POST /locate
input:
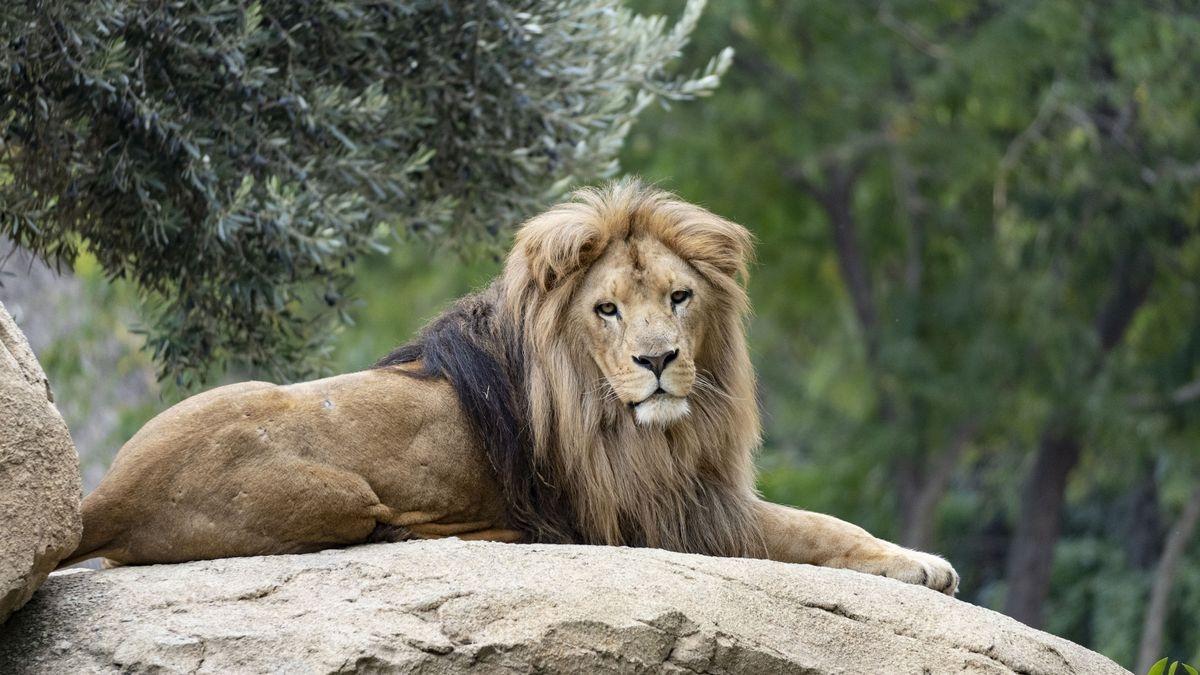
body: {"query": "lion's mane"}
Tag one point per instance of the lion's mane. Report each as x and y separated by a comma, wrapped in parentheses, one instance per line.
(574, 466)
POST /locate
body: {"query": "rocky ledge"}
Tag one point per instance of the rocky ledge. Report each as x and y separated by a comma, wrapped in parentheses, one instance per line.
(452, 606)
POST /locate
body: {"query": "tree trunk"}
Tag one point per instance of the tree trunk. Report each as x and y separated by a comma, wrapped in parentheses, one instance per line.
(921, 479)
(924, 483)
(837, 199)
(919, 510)
(1181, 534)
(1031, 554)
(1141, 527)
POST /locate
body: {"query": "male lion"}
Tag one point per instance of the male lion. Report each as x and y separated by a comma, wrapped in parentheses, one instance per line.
(598, 392)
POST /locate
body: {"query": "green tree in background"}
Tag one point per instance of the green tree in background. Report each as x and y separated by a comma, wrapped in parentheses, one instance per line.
(1096, 220)
(978, 283)
(234, 159)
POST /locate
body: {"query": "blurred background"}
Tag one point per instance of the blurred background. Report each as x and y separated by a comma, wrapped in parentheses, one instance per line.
(977, 295)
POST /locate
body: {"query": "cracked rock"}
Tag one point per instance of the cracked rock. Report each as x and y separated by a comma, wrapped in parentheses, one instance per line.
(451, 606)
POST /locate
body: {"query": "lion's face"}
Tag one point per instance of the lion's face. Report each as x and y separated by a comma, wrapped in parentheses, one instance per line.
(640, 307)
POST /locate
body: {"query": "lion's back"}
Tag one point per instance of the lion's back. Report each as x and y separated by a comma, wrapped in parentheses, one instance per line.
(320, 419)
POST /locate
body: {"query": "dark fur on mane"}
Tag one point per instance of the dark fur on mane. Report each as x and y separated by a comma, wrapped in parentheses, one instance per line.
(467, 346)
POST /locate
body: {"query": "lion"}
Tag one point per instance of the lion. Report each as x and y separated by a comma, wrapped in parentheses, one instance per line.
(598, 391)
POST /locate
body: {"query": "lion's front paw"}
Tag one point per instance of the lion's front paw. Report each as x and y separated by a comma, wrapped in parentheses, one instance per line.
(919, 568)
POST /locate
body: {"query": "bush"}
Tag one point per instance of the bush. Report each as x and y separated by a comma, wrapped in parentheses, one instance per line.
(234, 159)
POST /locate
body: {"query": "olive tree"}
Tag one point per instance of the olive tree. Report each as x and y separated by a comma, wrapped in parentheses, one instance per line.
(232, 159)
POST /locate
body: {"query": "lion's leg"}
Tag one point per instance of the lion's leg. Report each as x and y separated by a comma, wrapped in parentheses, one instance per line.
(426, 519)
(287, 505)
(797, 536)
(320, 506)
(493, 534)
(422, 525)
(450, 529)
(476, 531)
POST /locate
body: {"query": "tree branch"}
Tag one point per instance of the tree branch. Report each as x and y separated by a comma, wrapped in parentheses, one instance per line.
(1186, 394)
(1016, 149)
(912, 209)
(1150, 648)
(1181, 395)
(1134, 274)
(910, 33)
(919, 516)
(836, 199)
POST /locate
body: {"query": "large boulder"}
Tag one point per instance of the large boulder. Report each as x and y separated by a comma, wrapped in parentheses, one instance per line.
(39, 474)
(451, 606)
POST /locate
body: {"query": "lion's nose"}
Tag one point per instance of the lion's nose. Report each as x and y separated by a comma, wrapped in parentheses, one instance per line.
(657, 362)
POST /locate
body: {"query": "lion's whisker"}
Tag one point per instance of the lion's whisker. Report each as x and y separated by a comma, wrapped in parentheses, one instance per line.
(704, 384)
(603, 388)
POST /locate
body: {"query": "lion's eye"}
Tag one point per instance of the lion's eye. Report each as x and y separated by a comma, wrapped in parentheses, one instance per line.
(678, 297)
(606, 309)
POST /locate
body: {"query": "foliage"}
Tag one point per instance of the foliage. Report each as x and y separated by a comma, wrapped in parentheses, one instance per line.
(1009, 160)
(235, 159)
(1160, 668)
(947, 198)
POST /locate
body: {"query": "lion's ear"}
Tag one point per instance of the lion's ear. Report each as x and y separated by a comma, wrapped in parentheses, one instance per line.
(557, 243)
(702, 236)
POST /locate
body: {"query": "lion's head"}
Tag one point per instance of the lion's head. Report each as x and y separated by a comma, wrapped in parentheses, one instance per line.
(607, 375)
(637, 281)
(639, 386)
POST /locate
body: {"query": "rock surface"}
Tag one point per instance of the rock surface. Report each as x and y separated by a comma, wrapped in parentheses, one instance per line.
(451, 606)
(39, 474)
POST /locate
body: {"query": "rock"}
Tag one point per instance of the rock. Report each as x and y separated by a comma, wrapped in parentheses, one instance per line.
(55, 309)
(39, 474)
(452, 606)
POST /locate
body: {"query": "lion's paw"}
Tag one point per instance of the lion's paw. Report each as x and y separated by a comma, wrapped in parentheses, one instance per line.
(915, 567)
